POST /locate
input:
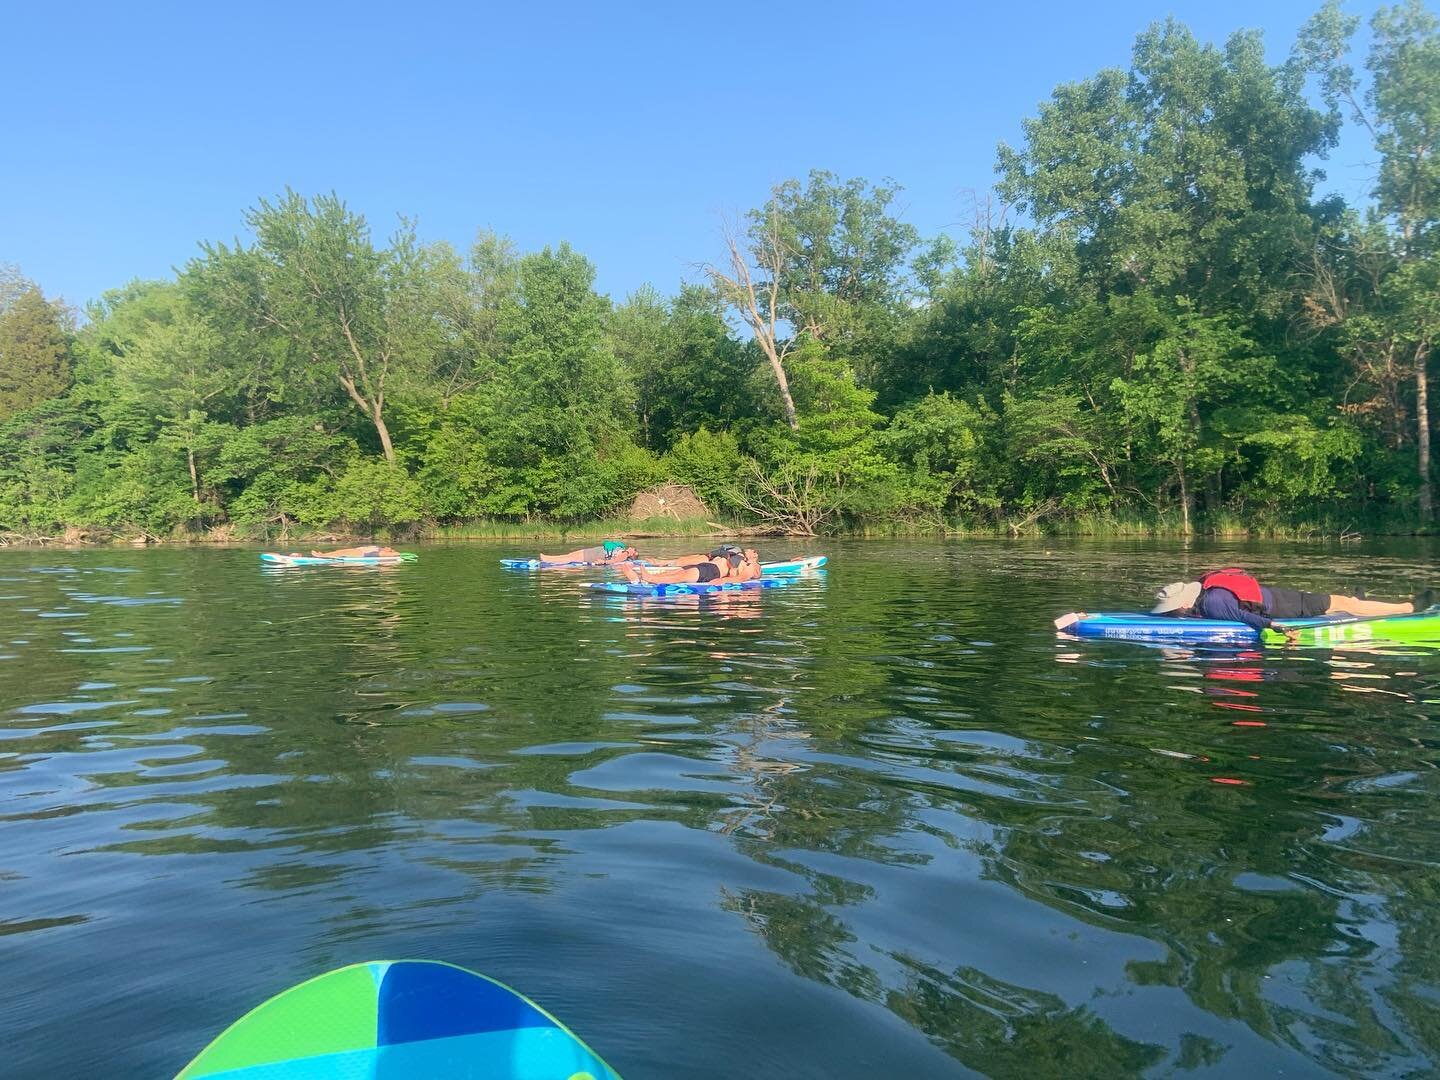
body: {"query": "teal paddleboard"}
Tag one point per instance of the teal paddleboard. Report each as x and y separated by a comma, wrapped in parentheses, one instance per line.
(540, 564)
(795, 566)
(402, 1018)
(271, 558)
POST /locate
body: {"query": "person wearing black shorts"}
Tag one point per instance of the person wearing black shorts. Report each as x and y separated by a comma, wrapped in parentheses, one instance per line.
(741, 566)
(1295, 604)
(1234, 596)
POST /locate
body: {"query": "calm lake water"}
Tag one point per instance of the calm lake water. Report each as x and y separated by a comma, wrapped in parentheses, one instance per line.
(879, 823)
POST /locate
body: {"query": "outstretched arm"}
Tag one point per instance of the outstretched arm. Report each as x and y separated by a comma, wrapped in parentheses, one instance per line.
(1223, 604)
(683, 560)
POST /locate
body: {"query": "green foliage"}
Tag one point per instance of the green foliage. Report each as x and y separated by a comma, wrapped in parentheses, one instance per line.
(1199, 360)
(280, 472)
(965, 339)
(34, 352)
(833, 464)
(1379, 295)
(1294, 461)
(1176, 332)
(368, 496)
(710, 462)
(144, 490)
(315, 286)
(941, 441)
(1185, 174)
(1060, 445)
(550, 434)
(40, 450)
(560, 383)
(1405, 94)
(687, 369)
(846, 253)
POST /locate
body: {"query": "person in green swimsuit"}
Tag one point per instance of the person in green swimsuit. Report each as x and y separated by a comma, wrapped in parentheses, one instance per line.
(611, 551)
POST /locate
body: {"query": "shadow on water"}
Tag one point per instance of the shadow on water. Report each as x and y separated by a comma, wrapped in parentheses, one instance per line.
(880, 822)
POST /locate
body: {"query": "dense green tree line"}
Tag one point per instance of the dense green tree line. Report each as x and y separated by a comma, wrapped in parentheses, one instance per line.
(1155, 317)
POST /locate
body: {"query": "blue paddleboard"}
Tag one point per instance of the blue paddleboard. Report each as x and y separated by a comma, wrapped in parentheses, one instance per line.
(642, 589)
(1418, 627)
(792, 566)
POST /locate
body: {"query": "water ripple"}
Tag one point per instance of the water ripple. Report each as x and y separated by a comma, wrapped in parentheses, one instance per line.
(885, 803)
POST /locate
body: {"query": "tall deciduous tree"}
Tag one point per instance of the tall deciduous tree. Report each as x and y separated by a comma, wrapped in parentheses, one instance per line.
(314, 278)
(176, 372)
(1198, 360)
(1185, 175)
(750, 283)
(555, 422)
(469, 300)
(846, 253)
(639, 332)
(13, 285)
(1401, 111)
(821, 262)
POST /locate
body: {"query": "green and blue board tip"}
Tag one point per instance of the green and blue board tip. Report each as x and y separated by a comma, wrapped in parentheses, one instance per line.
(398, 1019)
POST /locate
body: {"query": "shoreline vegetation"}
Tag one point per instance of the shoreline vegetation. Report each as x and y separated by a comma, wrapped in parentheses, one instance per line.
(1156, 324)
(1090, 527)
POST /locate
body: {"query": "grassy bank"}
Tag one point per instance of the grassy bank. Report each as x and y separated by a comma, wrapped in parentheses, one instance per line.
(603, 529)
(1321, 526)
(1329, 526)
(558, 532)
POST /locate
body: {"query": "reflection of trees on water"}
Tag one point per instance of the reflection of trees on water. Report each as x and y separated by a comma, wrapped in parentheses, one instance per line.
(1001, 1029)
(1227, 883)
(385, 760)
(854, 749)
(763, 798)
(846, 808)
(811, 939)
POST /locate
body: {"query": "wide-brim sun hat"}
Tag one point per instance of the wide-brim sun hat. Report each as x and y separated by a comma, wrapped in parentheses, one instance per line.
(1176, 595)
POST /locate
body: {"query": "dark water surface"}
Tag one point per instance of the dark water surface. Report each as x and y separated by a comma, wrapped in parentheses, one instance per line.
(879, 823)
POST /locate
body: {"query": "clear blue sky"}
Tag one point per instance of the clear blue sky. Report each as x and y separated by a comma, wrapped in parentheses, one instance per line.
(137, 130)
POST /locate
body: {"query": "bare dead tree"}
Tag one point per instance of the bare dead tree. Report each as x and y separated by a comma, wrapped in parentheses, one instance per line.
(986, 220)
(759, 303)
(1022, 525)
(792, 498)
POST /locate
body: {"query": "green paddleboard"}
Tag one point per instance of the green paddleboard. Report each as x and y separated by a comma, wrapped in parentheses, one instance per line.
(1417, 628)
(398, 1019)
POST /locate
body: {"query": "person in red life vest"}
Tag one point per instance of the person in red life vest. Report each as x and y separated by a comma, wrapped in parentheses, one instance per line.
(1235, 596)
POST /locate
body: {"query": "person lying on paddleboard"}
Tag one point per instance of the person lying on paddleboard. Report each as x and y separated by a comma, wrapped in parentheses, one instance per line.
(611, 551)
(369, 551)
(1234, 596)
(739, 566)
